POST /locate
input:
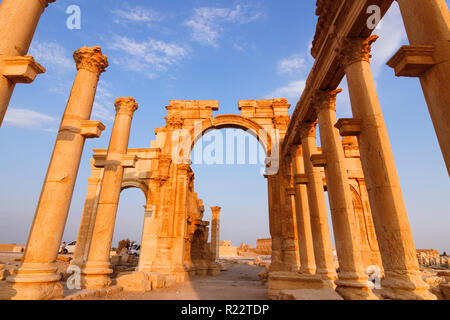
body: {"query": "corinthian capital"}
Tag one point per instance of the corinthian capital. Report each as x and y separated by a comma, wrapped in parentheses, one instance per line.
(308, 129)
(126, 106)
(91, 59)
(356, 49)
(325, 99)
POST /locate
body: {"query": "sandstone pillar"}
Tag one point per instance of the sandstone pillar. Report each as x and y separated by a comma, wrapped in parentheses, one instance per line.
(37, 278)
(352, 281)
(88, 217)
(323, 251)
(149, 240)
(215, 233)
(402, 278)
(274, 222)
(307, 264)
(427, 24)
(18, 22)
(96, 272)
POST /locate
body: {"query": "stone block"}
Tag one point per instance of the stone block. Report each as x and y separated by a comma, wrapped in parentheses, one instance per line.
(310, 294)
(157, 279)
(135, 282)
(170, 281)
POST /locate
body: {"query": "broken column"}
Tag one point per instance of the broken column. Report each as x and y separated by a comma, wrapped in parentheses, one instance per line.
(18, 22)
(97, 269)
(37, 277)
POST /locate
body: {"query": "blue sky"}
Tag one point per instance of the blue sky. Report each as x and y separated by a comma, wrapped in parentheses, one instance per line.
(222, 50)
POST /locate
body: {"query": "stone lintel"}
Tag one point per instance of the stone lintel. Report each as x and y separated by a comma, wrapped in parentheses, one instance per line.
(348, 127)
(91, 128)
(20, 69)
(301, 179)
(319, 160)
(129, 161)
(412, 60)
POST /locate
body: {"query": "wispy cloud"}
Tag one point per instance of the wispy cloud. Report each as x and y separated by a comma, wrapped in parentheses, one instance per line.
(103, 109)
(30, 119)
(52, 56)
(137, 14)
(207, 23)
(148, 57)
(293, 90)
(292, 65)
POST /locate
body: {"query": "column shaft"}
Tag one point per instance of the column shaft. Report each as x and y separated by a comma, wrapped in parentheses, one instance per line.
(307, 264)
(323, 251)
(352, 281)
(18, 22)
(429, 24)
(97, 268)
(39, 265)
(88, 217)
(383, 186)
(215, 233)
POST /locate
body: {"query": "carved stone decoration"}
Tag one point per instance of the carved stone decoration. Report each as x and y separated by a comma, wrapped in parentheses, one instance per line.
(356, 49)
(91, 59)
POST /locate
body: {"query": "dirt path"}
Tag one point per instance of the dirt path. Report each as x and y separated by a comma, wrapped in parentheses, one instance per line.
(239, 282)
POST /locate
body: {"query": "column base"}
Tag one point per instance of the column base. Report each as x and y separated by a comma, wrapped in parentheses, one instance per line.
(33, 281)
(213, 269)
(327, 277)
(352, 287)
(405, 287)
(282, 285)
(96, 276)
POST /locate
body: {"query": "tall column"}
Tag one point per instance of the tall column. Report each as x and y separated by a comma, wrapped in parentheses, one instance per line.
(215, 232)
(427, 24)
(96, 272)
(402, 278)
(274, 222)
(323, 251)
(88, 217)
(37, 278)
(307, 264)
(352, 281)
(18, 22)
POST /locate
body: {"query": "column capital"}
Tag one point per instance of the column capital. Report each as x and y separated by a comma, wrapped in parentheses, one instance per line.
(126, 105)
(308, 129)
(91, 59)
(356, 49)
(325, 100)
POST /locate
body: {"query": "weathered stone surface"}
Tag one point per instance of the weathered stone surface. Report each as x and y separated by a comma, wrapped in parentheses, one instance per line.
(135, 282)
(310, 294)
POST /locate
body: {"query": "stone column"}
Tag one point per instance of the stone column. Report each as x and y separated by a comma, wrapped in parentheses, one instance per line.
(402, 278)
(149, 241)
(96, 272)
(352, 281)
(18, 22)
(88, 217)
(428, 28)
(37, 278)
(274, 222)
(307, 264)
(323, 251)
(215, 232)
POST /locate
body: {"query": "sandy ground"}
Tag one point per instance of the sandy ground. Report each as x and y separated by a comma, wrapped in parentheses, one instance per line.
(239, 282)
